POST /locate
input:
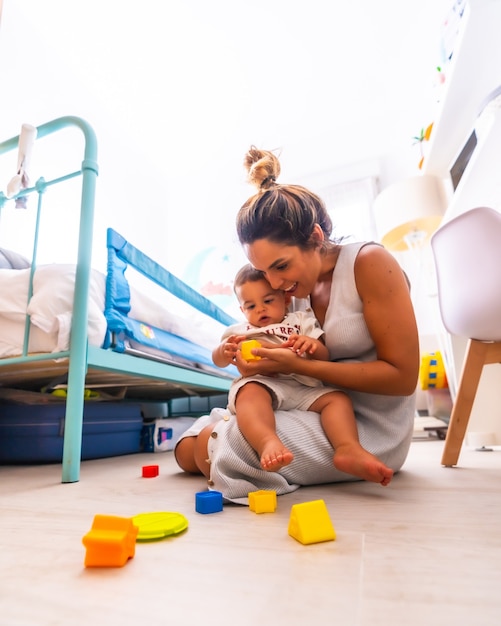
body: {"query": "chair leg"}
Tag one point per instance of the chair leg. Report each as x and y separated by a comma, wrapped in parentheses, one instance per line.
(470, 376)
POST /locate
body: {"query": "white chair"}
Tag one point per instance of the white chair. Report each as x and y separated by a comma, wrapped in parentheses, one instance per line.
(467, 252)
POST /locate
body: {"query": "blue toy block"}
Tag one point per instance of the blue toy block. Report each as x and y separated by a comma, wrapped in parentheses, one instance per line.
(208, 502)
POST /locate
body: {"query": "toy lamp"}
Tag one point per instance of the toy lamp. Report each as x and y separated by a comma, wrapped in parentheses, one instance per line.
(407, 213)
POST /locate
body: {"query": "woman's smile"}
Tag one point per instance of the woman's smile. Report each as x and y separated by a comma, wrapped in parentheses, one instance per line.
(292, 289)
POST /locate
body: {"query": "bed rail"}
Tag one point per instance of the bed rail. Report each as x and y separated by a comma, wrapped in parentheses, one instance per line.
(122, 328)
(72, 446)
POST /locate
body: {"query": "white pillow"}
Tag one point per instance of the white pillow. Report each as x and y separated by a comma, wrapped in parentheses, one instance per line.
(12, 260)
(51, 305)
(14, 293)
(12, 338)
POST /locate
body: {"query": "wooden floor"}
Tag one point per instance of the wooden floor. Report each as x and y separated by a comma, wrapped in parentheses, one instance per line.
(424, 551)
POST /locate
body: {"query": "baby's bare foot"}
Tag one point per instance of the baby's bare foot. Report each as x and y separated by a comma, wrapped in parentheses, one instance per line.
(275, 455)
(358, 462)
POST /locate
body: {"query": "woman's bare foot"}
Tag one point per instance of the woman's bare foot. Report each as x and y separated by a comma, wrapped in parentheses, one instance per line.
(353, 459)
(274, 455)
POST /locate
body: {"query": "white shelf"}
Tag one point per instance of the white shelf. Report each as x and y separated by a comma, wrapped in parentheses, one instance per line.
(472, 75)
(474, 72)
(480, 184)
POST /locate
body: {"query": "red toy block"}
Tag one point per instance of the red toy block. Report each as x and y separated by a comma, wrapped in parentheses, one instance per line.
(111, 542)
(150, 471)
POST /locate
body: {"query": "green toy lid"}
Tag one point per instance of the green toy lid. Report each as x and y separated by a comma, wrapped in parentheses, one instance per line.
(154, 526)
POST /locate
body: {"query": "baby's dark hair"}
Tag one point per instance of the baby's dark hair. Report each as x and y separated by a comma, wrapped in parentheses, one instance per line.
(247, 274)
(284, 214)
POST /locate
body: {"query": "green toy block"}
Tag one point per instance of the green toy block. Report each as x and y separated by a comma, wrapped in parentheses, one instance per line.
(263, 501)
(310, 523)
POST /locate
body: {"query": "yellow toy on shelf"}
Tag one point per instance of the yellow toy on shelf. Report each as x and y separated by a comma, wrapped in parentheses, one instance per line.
(432, 371)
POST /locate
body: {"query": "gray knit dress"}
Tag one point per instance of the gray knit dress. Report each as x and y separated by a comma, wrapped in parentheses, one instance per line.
(385, 423)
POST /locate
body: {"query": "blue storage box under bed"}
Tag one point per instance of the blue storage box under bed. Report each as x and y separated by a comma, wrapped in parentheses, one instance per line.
(34, 433)
(197, 405)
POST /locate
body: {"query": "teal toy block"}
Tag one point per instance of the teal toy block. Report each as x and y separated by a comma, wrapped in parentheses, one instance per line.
(310, 523)
(208, 502)
(263, 501)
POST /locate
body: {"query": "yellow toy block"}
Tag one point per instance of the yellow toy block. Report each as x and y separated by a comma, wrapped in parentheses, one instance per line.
(263, 501)
(432, 371)
(310, 523)
(111, 542)
(247, 346)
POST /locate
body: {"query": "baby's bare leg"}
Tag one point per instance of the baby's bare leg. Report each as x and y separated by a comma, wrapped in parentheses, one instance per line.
(185, 455)
(256, 421)
(340, 426)
(192, 453)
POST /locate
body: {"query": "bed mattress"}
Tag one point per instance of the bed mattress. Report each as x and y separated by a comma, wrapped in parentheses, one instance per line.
(50, 311)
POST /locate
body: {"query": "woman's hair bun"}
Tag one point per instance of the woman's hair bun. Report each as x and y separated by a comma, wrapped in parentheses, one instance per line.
(263, 168)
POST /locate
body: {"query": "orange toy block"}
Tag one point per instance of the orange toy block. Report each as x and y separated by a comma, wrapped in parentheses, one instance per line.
(247, 346)
(263, 501)
(310, 523)
(111, 542)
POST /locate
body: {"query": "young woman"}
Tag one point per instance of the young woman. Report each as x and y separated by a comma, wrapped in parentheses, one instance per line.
(361, 298)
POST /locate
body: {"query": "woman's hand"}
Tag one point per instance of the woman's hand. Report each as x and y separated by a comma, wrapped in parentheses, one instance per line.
(272, 361)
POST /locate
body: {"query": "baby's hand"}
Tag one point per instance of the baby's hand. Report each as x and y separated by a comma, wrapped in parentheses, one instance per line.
(301, 344)
(230, 346)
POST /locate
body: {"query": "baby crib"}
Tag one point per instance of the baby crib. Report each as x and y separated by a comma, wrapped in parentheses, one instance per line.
(151, 362)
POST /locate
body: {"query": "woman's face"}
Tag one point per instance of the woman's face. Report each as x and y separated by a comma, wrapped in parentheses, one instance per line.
(288, 268)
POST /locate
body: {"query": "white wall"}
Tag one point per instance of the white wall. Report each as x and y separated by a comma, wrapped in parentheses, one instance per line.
(177, 91)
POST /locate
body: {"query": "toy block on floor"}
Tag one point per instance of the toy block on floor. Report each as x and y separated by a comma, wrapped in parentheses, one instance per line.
(111, 542)
(208, 502)
(263, 501)
(247, 346)
(150, 471)
(310, 523)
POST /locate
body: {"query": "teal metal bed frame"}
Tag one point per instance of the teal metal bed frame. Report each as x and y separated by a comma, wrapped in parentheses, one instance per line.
(80, 359)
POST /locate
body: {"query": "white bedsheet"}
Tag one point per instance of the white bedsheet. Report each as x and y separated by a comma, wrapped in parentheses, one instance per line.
(50, 309)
